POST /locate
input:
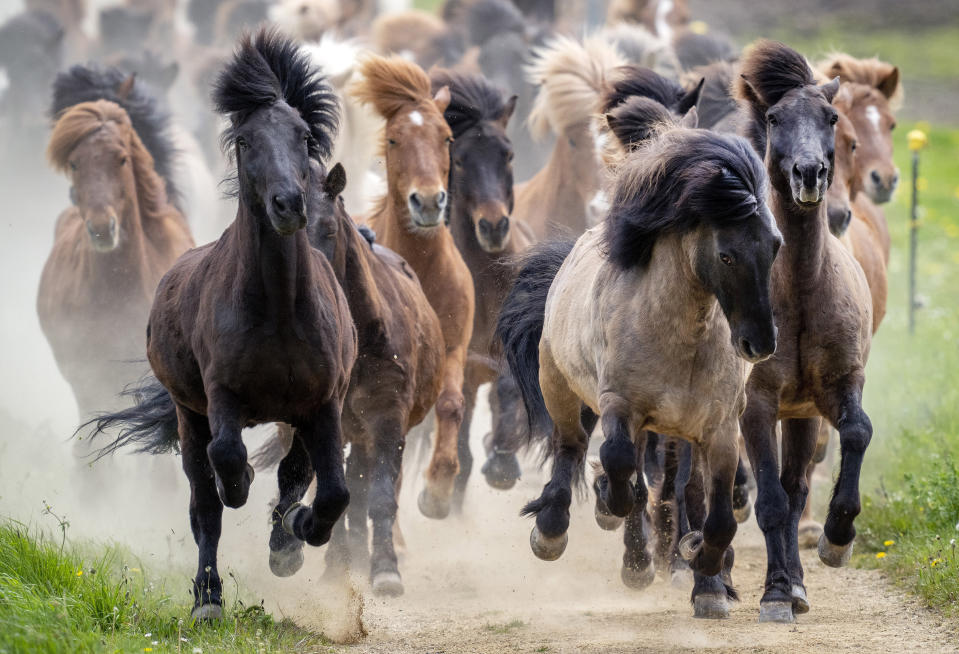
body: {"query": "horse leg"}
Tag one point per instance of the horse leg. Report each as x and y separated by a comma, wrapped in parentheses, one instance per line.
(798, 445)
(434, 500)
(293, 475)
(619, 458)
(348, 542)
(742, 508)
(810, 530)
(638, 570)
(664, 509)
(652, 464)
(323, 440)
(501, 468)
(463, 453)
(233, 474)
(855, 432)
(206, 513)
(688, 490)
(548, 538)
(388, 453)
(772, 504)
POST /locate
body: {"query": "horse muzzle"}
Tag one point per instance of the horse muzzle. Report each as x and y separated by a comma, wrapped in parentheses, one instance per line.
(104, 234)
(493, 237)
(287, 212)
(427, 210)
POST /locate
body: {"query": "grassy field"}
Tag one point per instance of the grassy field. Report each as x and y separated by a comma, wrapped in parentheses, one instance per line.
(56, 597)
(910, 519)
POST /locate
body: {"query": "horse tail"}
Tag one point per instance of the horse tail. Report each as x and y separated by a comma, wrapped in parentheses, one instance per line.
(520, 327)
(150, 425)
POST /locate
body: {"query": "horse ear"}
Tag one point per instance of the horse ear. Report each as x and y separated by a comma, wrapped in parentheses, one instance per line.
(442, 98)
(691, 99)
(508, 111)
(690, 120)
(749, 93)
(124, 88)
(611, 121)
(335, 181)
(830, 89)
(890, 83)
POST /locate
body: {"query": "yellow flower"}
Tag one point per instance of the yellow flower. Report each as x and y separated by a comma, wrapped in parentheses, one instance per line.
(889, 542)
(880, 555)
(936, 562)
(79, 573)
(147, 649)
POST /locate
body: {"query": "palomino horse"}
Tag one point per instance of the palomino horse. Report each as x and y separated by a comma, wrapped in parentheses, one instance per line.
(649, 322)
(410, 220)
(481, 185)
(395, 382)
(566, 195)
(111, 248)
(254, 327)
(824, 316)
(873, 120)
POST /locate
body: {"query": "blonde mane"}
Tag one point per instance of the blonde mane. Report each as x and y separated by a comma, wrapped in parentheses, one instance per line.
(391, 85)
(873, 72)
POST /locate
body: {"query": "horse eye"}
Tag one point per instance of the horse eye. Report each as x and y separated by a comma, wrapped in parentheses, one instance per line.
(449, 139)
(772, 120)
(833, 119)
(854, 146)
(509, 157)
(892, 127)
(73, 166)
(725, 258)
(572, 143)
(123, 160)
(391, 141)
(241, 143)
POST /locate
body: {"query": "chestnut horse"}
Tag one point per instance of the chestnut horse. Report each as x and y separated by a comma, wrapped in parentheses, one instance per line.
(411, 220)
(649, 321)
(481, 186)
(824, 315)
(254, 327)
(113, 245)
(566, 195)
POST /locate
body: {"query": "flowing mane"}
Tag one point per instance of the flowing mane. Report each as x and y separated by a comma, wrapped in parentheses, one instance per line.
(571, 76)
(636, 120)
(632, 80)
(677, 181)
(391, 85)
(473, 99)
(872, 72)
(267, 68)
(87, 118)
(149, 119)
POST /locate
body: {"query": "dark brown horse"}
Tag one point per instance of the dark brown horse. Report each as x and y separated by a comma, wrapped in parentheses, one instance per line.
(823, 312)
(481, 190)
(395, 382)
(111, 248)
(254, 327)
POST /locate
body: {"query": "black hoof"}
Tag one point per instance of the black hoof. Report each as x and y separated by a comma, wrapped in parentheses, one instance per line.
(207, 613)
(638, 579)
(387, 584)
(236, 495)
(712, 606)
(501, 470)
(287, 561)
(606, 521)
(431, 506)
(835, 556)
(547, 548)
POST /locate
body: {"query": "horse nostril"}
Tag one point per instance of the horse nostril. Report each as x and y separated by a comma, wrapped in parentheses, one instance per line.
(416, 201)
(279, 204)
(441, 199)
(747, 348)
(796, 171)
(822, 169)
(504, 224)
(875, 176)
(895, 178)
(485, 226)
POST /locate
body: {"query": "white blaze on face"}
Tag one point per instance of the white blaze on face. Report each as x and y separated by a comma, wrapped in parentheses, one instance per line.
(663, 30)
(416, 118)
(872, 114)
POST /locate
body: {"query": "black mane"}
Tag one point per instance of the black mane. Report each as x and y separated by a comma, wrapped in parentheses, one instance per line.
(635, 120)
(636, 80)
(474, 99)
(150, 120)
(681, 179)
(266, 68)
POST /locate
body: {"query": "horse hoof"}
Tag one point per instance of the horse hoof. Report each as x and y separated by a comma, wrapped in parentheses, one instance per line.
(236, 496)
(638, 579)
(690, 545)
(712, 606)
(835, 556)
(387, 584)
(287, 561)
(606, 521)
(681, 579)
(431, 506)
(207, 613)
(501, 470)
(800, 601)
(289, 518)
(545, 547)
(742, 507)
(776, 612)
(810, 532)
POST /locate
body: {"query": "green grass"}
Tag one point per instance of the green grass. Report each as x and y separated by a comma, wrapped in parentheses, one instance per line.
(58, 597)
(506, 627)
(911, 483)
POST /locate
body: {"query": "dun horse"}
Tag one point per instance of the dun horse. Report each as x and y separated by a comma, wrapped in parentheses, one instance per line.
(254, 327)
(823, 312)
(411, 220)
(116, 241)
(481, 185)
(649, 321)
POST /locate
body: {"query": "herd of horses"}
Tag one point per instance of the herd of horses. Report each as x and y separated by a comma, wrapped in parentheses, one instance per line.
(696, 261)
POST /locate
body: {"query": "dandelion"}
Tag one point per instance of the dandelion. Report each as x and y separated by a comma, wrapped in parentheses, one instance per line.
(79, 573)
(147, 649)
(880, 555)
(889, 543)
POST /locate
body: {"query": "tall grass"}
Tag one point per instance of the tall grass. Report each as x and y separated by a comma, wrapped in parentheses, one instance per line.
(56, 597)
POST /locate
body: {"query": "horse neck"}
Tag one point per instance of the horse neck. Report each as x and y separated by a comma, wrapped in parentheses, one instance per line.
(556, 182)
(356, 277)
(279, 266)
(804, 238)
(125, 269)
